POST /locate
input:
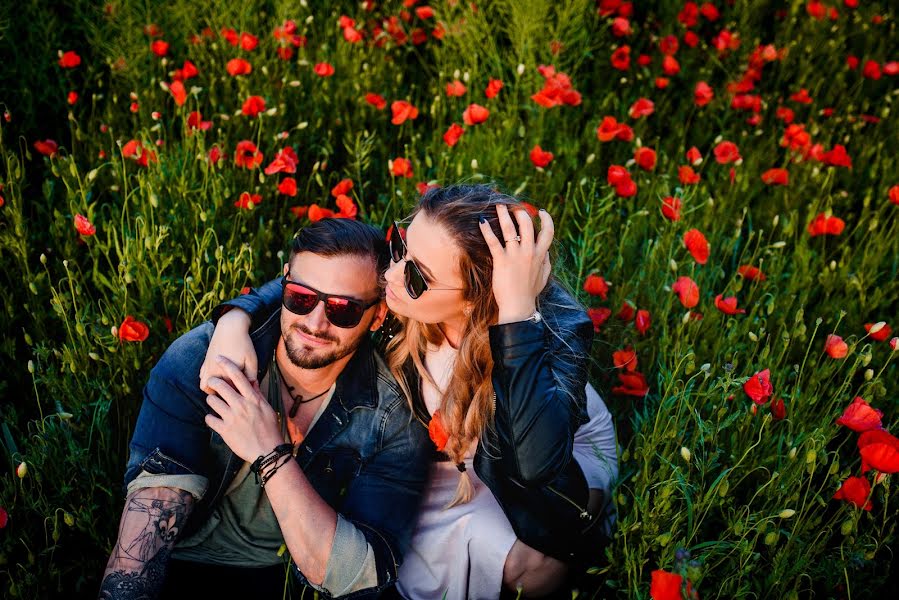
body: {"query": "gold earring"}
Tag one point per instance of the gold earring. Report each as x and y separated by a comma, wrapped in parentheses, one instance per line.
(467, 311)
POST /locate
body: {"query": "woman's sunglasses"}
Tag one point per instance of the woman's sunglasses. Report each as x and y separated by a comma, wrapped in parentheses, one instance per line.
(341, 311)
(415, 282)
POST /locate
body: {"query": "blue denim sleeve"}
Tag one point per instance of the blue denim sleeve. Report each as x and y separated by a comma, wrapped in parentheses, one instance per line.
(170, 435)
(383, 500)
(260, 303)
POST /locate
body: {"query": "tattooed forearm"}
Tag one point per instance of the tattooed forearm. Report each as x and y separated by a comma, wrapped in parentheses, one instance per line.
(151, 522)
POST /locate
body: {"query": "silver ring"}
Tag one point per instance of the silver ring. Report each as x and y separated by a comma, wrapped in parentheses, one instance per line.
(517, 238)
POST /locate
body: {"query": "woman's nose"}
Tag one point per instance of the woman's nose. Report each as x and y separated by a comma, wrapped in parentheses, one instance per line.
(393, 271)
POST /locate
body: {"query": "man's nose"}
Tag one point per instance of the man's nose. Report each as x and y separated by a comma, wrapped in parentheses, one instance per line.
(317, 320)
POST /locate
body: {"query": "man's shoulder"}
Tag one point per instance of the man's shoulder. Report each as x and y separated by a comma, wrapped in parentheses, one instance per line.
(183, 358)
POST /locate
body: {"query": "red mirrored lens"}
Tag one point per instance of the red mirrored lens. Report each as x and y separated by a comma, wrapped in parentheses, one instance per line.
(299, 299)
(343, 313)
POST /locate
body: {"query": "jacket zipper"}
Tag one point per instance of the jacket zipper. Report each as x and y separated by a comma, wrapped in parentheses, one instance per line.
(583, 512)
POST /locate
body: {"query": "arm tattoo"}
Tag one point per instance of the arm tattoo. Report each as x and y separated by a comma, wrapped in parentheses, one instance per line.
(152, 520)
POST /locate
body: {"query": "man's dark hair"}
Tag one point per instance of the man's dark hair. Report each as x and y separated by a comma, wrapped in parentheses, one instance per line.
(342, 237)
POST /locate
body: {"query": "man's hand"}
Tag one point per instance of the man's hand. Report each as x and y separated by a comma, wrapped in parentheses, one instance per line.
(245, 420)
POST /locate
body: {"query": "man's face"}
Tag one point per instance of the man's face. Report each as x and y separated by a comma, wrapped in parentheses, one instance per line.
(311, 340)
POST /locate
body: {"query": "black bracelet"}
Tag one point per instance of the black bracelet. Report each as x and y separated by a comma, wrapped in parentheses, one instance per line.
(274, 469)
(267, 460)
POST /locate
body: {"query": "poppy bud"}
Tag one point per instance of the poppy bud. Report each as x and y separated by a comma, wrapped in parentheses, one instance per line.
(786, 513)
(31, 366)
(685, 453)
(22, 470)
(753, 337)
(43, 258)
(876, 327)
(68, 518)
(792, 454)
(869, 374)
(673, 265)
(847, 527)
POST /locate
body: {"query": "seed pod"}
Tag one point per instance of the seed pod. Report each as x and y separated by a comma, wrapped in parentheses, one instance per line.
(847, 527)
(22, 470)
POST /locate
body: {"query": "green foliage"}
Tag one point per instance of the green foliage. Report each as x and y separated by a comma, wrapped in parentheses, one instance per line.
(703, 468)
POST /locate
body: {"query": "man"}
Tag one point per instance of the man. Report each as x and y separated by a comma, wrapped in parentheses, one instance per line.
(322, 455)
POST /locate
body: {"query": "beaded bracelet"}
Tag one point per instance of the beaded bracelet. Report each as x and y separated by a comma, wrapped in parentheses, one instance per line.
(267, 460)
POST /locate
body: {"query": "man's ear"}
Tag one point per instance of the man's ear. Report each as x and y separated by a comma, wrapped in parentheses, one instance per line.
(286, 268)
(380, 315)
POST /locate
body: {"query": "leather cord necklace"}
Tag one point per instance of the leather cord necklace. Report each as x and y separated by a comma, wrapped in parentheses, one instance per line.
(298, 399)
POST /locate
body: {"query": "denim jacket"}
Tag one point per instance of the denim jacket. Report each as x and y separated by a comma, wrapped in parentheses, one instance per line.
(366, 456)
(526, 459)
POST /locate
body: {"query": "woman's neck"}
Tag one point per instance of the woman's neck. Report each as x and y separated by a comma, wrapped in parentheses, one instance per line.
(452, 333)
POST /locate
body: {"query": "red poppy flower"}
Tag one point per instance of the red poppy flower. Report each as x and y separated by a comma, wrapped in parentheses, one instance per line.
(626, 359)
(493, 88)
(4, 517)
(596, 285)
(776, 177)
(662, 82)
(860, 417)
(855, 490)
(299, 211)
(159, 47)
(253, 106)
(323, 69)
(671, 208)
(455, 88)
(610, 129)
(84, 226)
(687, 175)
(728, 305)
(285, 161)
(643, 321)
(670, 66)
(288, 186)
(401, 168)
(599, 316)
(187, 71)
(784, 114)
(248, 201)
(758, 387)
(216, 154)
(436, 431)
(687, 291)
(836, 347)
(132, 330)
(881, 334)
(317, 213)
(893, 195)
(702, 94)
(72, 98)
(402, 110)
(801, 97)
(778, 409)
(643, 107)
(621, 27)
(452, 135)
(539, 157)
(69, 60)
(879, 450)
(424, 12)
(825, 225)
(632, 384)
(627, 310)
(621, 58)
(871, 70)
(135, 150)
(694, 156)
(726, 153)
(46, 147)
(347, 208)
(376, 100)
(475, 114)
(837, 157)
(246, 155)
(894, 344)
(248, 41)
(691, 39)
(178, 92)
(645, 158)
(668, 44)
(195, 121)
(697, 245)
(352, 35)
(665, 585)
(238, 66)
(751, 273)
(343, 187)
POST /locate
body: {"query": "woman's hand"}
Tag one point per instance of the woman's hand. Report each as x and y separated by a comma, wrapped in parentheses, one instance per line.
(245, 419)
(231, 339)
(520, 268)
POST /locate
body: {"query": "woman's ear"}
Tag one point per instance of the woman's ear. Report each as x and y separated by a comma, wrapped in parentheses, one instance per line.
(467, 309)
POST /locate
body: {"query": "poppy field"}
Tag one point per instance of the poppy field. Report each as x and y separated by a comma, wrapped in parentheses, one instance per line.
(724, 181)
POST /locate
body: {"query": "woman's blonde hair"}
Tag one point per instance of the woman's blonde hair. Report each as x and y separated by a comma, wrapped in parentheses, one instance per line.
(467, 407)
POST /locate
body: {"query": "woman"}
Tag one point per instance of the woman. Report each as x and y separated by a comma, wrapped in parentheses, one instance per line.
(492, 355)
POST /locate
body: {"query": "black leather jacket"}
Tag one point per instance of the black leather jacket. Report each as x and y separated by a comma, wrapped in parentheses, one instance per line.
(525, 458)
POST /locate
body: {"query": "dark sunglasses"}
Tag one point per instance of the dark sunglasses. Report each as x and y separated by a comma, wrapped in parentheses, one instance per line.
(342, 311)
(415, 282)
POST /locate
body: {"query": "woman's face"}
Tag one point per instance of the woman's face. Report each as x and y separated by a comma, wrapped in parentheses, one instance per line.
(437, 257)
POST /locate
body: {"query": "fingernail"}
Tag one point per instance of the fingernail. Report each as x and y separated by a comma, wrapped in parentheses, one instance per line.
(542, 210)
(482, 219)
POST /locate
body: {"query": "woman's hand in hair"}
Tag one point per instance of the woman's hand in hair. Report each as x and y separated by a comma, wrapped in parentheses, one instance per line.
(520, 268)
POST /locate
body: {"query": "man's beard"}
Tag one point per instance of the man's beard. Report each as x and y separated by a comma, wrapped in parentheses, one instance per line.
(304, 358)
